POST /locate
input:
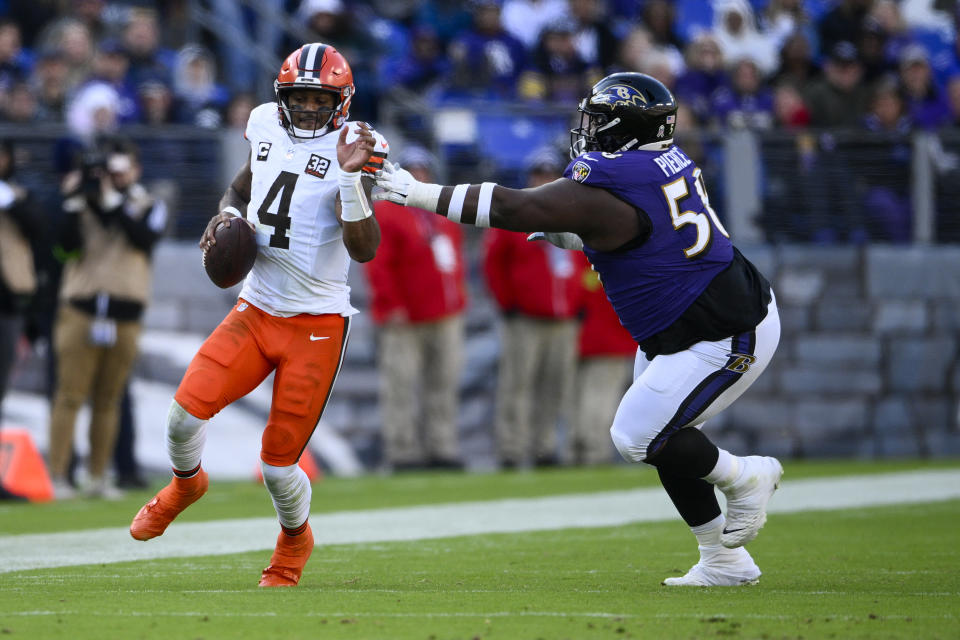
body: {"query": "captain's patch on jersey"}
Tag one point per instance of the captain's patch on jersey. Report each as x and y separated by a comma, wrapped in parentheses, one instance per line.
(263, 150)
(317, 166)
(580, 171)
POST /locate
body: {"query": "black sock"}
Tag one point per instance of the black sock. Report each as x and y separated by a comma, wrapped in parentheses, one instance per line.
(694, 498)
(687, 454)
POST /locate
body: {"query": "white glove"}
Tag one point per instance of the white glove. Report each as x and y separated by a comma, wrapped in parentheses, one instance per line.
(562, 239)
(395, 182)
(399, 186)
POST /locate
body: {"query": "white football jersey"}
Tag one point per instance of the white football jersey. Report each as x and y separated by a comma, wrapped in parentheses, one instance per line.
(302, 262)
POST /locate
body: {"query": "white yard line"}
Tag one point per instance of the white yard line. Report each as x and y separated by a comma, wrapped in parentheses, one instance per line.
(612, 508)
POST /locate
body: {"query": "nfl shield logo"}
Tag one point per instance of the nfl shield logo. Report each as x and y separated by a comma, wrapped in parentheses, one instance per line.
(580, 171)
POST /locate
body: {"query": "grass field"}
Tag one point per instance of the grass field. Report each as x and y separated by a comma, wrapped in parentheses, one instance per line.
(880, 572)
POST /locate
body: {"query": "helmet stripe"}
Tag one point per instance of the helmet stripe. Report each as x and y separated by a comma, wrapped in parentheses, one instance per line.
(311, 60)
(304, 55)
(307, 56)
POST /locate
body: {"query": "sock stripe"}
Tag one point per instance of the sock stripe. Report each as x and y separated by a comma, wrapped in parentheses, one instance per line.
(295, 532)
(187, 474)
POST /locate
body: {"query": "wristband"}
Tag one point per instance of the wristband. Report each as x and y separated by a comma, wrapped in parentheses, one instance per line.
(484, 200)
(233, 211)
(424, 195)
(353, 201)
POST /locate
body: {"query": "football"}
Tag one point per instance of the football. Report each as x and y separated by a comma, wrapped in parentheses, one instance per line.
(231, 258)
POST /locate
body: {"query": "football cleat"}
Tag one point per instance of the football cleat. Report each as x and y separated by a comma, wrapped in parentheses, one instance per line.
(288, 559)
(747, 498)
(155, 516)
(719, 568)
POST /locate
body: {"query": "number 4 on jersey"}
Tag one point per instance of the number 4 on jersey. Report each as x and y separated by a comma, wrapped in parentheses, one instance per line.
(280, 221)
(677, 191)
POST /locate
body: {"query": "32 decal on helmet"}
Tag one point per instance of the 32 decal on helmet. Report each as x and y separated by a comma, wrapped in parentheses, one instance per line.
(624, 111)
(315, 67)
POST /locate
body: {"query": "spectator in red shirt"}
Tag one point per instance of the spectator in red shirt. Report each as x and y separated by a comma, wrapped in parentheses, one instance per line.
(537, 289)
(418, 295)
(607, 352)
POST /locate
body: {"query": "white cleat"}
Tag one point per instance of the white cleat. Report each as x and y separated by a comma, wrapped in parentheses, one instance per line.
(747, 499)
(719, 568)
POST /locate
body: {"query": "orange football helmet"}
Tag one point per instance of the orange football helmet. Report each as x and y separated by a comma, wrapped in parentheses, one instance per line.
(320, 67)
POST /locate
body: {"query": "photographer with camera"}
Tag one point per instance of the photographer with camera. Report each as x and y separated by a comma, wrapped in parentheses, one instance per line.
(110, 226)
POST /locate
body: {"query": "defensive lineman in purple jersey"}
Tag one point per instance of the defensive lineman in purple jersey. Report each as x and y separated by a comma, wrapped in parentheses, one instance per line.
(704, 318)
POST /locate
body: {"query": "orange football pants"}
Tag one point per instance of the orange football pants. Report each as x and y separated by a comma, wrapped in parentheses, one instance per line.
(306, 351)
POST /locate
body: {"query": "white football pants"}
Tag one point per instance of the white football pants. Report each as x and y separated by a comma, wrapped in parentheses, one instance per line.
(687, 388)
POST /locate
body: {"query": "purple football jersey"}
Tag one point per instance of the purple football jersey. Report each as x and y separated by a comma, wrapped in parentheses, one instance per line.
(652, 284)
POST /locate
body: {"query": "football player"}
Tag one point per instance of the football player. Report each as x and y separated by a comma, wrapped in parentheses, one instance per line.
(305, 190)
(704, 318)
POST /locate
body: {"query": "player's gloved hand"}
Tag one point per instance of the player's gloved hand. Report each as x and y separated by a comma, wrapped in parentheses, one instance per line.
(563, 239)
(395, 183)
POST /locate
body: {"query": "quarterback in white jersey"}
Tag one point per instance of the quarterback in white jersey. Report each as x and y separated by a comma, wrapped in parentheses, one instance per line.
(302, 263)
(301, 190)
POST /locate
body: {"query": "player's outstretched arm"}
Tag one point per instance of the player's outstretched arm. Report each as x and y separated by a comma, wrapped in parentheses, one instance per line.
(361, 233)
(601, 219)
(233, 204)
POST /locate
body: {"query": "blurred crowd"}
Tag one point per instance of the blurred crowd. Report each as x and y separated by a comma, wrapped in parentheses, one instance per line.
(883, 65)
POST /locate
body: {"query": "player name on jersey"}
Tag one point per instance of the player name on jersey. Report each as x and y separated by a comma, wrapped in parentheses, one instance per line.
(672, 162)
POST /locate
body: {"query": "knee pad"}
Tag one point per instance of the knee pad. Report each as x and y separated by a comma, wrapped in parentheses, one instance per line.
(282, 444)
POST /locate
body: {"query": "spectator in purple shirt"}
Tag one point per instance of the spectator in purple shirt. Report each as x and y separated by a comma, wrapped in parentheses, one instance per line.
(141, 40)
(747, 103)
(703, 76)
(887, 199)
(421, 67)
(925, 104)
(487, 60)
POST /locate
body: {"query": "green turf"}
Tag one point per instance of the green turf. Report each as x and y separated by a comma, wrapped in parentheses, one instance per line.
(866, 573)
(248, 499)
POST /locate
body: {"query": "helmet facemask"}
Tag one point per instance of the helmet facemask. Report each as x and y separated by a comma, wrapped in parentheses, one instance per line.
(583, 138)
(597, 132)
(304, 123)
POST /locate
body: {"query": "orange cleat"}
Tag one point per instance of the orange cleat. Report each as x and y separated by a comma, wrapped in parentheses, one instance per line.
(288, 559)
(155, 516)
